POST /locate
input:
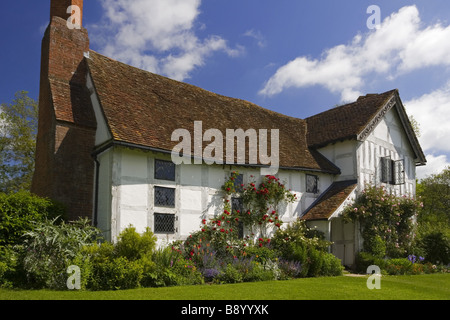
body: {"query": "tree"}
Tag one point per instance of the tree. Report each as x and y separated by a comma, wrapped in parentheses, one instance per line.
(434, 191)
(434, 218)
(415, 125)
(18, 130)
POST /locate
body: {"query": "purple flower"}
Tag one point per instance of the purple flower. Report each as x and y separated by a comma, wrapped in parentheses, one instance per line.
(210, 273)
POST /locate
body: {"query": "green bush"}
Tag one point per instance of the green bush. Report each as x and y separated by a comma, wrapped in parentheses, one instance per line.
(8, 265)
(398, 266)
(19, 211)
(115, 273)
(123, 265)
(171, 269)
(364, 259)
(133, 245)
(436, 247)
(331, 266)
(230, 274)
(102, 269)
(48, 249)
(374, 245)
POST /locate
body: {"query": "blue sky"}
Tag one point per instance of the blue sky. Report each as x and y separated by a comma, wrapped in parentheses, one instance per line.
(294, 57)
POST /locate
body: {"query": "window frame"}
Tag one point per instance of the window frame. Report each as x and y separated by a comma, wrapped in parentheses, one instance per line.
(158, 204)
(386, 170)
(316, 187)
(165, 177)
(398, 172)
(392, 171)
(156, 223)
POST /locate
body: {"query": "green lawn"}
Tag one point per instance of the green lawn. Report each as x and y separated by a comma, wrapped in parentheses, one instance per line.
(418, 287)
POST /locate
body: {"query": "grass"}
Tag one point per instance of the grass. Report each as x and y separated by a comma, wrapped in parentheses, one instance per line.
(417, 287)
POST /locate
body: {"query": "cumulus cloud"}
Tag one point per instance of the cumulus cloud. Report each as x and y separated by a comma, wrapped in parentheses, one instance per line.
(398, 46)
(435, 165)
(156, 35)
(431, 111)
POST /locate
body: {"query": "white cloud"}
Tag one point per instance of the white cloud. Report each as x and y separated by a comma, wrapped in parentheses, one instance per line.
(156, 35)
(435, 165)
(258, 36)
(399, 46)
(432, 113)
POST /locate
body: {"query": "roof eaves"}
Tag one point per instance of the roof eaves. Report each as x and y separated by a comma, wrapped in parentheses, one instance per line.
(370, 126)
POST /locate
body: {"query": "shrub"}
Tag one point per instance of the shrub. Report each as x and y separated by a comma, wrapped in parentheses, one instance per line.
(331, 265)
(8, 264)
(115, 273)
(230, 274)
(398, 266)
(384, 216)
(364, 259)
(374, 245)
(436, 247)
(132, 256)
(48, 249)
(170, 269)
(289, 269)
(19, 211)
(133, 245)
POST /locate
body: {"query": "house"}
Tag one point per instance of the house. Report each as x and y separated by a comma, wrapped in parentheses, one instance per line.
(105, 146)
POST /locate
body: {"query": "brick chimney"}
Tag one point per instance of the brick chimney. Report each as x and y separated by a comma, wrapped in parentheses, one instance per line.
(59, 8)
(64, 168)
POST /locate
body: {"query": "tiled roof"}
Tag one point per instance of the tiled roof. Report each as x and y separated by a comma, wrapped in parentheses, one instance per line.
(330, 200)
(143, 109)
(345, 122)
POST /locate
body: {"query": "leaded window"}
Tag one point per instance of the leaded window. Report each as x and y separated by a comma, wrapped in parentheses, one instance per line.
(164, 170)
(392, 172)
(399, 172)
(164, 197)
(164, 223)
(312, 183)
(386, 170)
(238, 182)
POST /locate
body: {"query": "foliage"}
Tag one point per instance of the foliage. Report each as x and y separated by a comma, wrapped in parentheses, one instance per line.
(48, 249)
(135, 246)
(172, 269)
(436, 247)
(262, 203)
(18, 130)
(20, 211)
(364, 259)
(386, 221)
(434, 192)
(8, 265)
(122, 265)
(434, 218)
(398, 266)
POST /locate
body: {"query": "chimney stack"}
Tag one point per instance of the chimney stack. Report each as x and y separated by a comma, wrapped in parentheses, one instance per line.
(64, 168)
(59, 8)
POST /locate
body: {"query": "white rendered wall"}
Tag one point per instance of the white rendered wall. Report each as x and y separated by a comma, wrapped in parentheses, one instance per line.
(388, 139)
(129, 175)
